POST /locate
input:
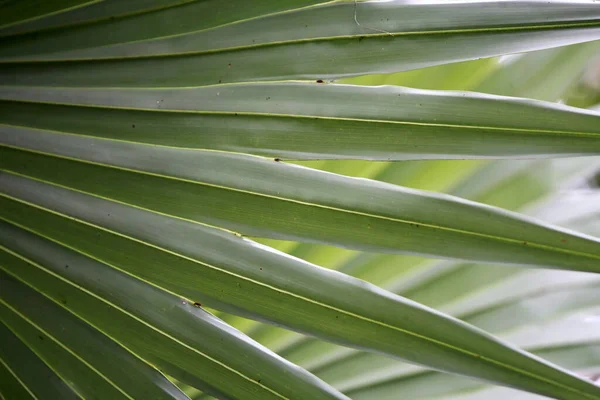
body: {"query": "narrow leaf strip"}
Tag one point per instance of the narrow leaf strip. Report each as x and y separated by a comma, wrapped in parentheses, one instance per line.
(291, 120)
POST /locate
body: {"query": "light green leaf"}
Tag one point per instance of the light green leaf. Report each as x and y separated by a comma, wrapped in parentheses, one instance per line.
(426, 384)
(463, 75)
(360, 372)
(544, 75)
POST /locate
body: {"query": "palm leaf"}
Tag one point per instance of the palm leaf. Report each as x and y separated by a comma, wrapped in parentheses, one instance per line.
(121, 197)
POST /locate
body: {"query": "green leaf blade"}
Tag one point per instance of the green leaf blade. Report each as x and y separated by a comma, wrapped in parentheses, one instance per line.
(314, 121)
(25, 375)
(83, 379)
